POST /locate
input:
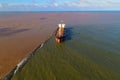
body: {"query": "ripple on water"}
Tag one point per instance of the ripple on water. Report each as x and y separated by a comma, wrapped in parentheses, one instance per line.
(83, 56)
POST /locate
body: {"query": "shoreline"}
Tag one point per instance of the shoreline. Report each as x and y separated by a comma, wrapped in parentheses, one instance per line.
(19, 36)
(24, 61)
(21, 64)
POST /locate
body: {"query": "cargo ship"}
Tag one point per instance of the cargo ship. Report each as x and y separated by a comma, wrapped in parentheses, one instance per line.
(60, 33)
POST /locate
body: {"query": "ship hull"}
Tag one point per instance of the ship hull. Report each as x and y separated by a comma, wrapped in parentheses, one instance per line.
(60, 38)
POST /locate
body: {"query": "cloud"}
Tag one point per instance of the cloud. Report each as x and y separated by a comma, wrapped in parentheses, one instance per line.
(94, 4)
(22, 5)
(71, 4)
(55, 4)
(0, 5)
(33, 5)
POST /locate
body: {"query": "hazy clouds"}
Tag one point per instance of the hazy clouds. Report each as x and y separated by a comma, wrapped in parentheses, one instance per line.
(87, 4)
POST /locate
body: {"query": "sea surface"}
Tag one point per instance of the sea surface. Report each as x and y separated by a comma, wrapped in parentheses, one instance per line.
(91, 51)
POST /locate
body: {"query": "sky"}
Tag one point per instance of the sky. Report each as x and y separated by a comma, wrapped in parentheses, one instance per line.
(59, 5)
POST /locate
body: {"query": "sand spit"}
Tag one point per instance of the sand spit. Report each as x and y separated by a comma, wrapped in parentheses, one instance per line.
(20, 34)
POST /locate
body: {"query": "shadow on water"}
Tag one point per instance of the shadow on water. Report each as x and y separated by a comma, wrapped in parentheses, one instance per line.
(69, 33)
(43, 18)
(10, 31)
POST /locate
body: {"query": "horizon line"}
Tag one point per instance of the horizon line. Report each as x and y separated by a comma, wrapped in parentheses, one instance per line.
(68, 11)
